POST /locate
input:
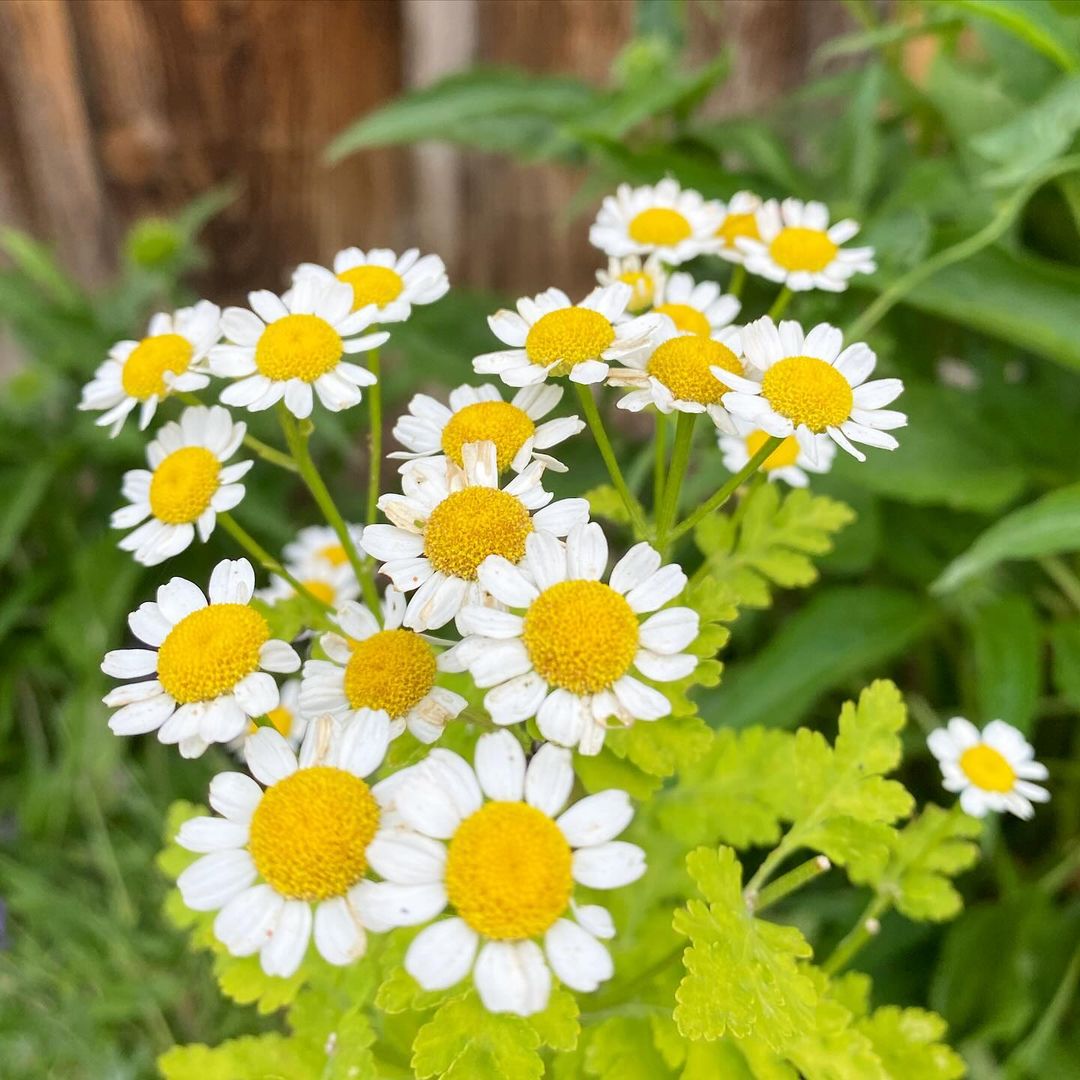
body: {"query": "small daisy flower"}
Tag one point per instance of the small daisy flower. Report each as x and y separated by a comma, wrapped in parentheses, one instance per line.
(286, 862)
(141, 373)
(550, 336)
(449, 520)
(389, 671)
(665, 221)
(993, 769)
(333, 585)
(738, 219)
(645, 279)
(187, 485)
(494, 843)
(696, 307)
(566, 651)
(478, 413)
(809, 387)
(393, 283)
(208, 662)
(799, 248)
(286, 719)
(787, 462)
(319, 546)
(287, 347)
(677, 376)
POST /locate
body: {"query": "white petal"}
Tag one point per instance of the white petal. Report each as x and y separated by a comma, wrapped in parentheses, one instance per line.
(576, 957)
(562, 718)
(441, 955)
(339, 933)
(232, 582)
(609, 865)
(669, 631)
(385, 904)
(596, 818)
(500, 766)
(245, 924)
(636, 566)
(549, 778)
(658, 589)
(206, 834)
(235, 795)
(512, 977)
(517, 699)
(269, 756)
(407, 858)
(215, 879)
(285, 950)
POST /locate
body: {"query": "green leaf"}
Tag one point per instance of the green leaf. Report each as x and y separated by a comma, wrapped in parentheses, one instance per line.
(1065, 640)
(1037, 24)
(559, 1025)
(838, 636)
(1008, 660)
(1048, 526)
(246, 1058)
(743, 975)
(463, 1041)
(242, 979)
(605, 502)
(660, 747)
(908, 1043)
(622, 1048)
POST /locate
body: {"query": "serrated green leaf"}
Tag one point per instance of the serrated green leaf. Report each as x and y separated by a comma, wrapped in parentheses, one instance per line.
(559, 1025)
(622, 1048)
(660, 747)
(252, 1057)
(1008, 660)
(605, 502)
(908, 1042)
(242, 979)
(742, 972)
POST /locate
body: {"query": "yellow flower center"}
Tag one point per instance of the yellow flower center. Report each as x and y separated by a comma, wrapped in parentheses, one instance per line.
(659, 226)
(736, 225)
(643, 286)
(298, 347)
(986, 768)
(808, 391)
(686, 318)
(310, 832)
(143, 374)
(321, 589)
(209, 651)
(508, 871)
(569, 335)
(377, 285)
(471, 524)
(334, 554)
(682, 365)
(393, 670)
(183, 485)
(803, 249)
(581, 635)
(785, 454)
(507, 426)
(281, 718)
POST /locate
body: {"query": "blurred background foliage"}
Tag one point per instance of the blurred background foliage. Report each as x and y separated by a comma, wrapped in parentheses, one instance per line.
(950, 130)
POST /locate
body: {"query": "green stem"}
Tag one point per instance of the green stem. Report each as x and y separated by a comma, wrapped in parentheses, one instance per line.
(863, 930)
(680, 458)
(779, 306)
(296, 436)
(374, 438)
(257, 446)
(756, 885)
(1063, 578)
(738, 280)
(265, 559)
(660, 460)
(603, 444)
(802, 875)
(716, 500)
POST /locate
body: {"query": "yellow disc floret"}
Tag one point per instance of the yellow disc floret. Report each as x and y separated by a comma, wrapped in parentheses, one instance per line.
(686, 318)
(183, 485)
(298, 347)
(808, 391)
(323, 590)
(785, 454)
(471, 524)
(508, 871)
(803, 249)
(569, 336)
(281, 719)
(682, 365)
(643, 285)
(143, 374)
(507, 426)
(209, 651)
(736, 225)
(659, 226)
(334, 554)
(581, 635)
(393, 670)
(310, 832)
(377, 285)
(987, 768)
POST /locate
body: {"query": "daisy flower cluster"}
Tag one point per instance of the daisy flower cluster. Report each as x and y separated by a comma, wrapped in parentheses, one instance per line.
(411, 757)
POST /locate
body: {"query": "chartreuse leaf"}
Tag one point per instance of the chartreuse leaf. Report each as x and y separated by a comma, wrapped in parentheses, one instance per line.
(743, 975)
(623, 1048)
(252, 1056)
(770, 541)
(908, 1044)
(605, 502)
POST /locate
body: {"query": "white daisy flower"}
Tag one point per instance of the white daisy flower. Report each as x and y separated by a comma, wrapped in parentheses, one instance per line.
(993, 769)
(664, 220)
(286, 347)
(287, 862)
(677, 376)
(494, 843)
(809, 387)
(799, 248)
(478, 413)
(787, 462)
(449, 520)
(141, 373)
(187, 485)
(317, 547)
(208, 662)
(738, 218)
(645, 278)
(390, 671)
(393, 283)
(548, 335)
(566, 650)
(696, 307)
(333, 585)
(286, 719)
